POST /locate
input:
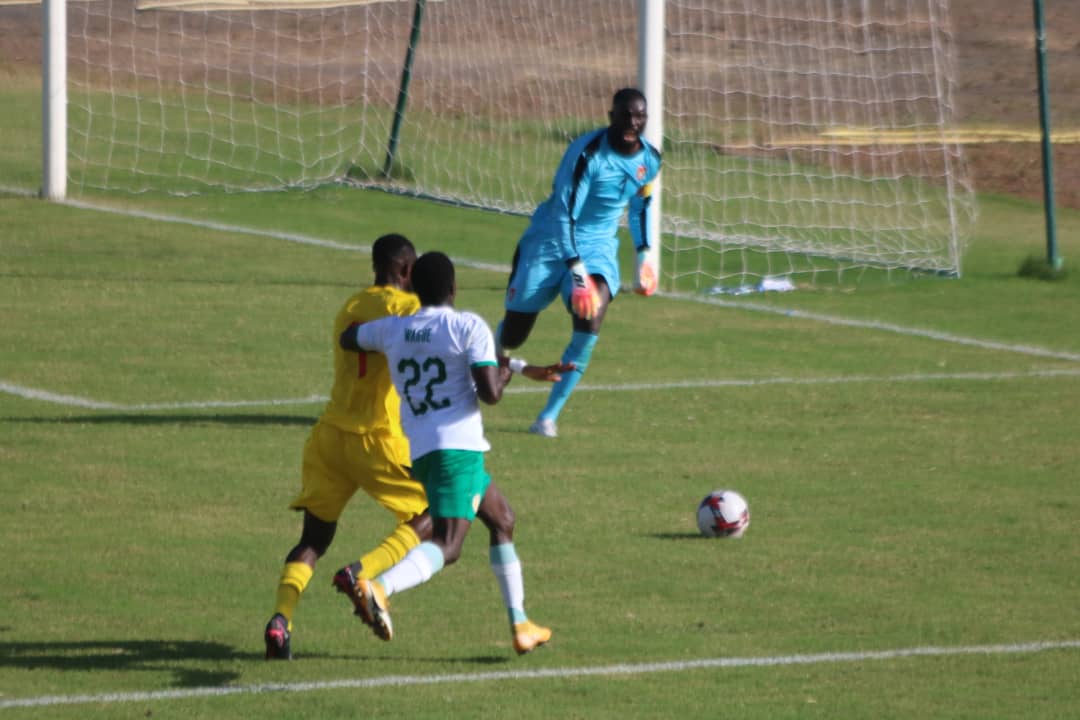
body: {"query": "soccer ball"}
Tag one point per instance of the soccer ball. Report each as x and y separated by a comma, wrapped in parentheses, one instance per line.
(723, 513)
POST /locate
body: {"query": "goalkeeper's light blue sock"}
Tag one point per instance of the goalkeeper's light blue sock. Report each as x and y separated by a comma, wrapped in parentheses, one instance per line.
(578, 352)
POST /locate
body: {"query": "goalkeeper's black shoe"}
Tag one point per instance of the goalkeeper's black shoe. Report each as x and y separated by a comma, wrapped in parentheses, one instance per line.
(277, 638)
(345, 580)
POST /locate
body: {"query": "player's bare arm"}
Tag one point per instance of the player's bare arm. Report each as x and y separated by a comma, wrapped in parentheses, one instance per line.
(491, 380)
(539, 373)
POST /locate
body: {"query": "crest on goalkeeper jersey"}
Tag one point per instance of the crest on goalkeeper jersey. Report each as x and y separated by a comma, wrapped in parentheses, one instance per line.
(641, 172)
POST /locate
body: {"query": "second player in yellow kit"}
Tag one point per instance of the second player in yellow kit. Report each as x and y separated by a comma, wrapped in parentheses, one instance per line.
(357, 444)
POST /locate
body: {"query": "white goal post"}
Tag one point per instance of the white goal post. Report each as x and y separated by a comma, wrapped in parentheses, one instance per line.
(54, 100)
(800, 137)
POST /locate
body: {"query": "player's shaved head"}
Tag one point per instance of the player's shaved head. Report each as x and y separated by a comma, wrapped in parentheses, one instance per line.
(392, 257)
(433, 278)
(389, 248)
(625, 96)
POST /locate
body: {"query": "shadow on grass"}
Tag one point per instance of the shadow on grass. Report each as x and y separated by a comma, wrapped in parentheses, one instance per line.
(300, 655)
(678, 536)
(169, 656)
(169, 419)
(129, 655)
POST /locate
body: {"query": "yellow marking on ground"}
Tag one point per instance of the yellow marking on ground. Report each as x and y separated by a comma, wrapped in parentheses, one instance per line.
(917, 136)
(228, 5)
(205, 5)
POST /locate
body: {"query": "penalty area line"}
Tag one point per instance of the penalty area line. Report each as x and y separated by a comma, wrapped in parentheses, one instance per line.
(837, 380)
(28, 393)
(543, 673)
(887, 327)
(91, 404)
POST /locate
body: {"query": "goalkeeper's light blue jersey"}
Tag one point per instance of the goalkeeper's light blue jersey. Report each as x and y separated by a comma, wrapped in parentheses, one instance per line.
(592, 188)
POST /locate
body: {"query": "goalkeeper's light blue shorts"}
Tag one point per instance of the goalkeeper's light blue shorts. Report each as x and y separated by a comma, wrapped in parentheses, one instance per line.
(538, 277)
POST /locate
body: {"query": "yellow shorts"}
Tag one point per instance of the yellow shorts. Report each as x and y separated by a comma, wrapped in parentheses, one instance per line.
(338, 463)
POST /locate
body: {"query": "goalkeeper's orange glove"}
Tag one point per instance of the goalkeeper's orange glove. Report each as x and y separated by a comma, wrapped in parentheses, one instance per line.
(584, 298)
(645, 283)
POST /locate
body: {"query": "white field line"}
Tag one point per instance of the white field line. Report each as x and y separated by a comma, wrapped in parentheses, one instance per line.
(91, 404)
(889, 327)
(541, 674)
(239, 229)
(504, 269)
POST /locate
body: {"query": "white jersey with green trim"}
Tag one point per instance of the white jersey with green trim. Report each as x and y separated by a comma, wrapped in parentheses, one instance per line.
(431, 356)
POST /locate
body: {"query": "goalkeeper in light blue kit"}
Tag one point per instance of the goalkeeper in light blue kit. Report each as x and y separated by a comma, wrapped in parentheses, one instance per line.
(571, 245)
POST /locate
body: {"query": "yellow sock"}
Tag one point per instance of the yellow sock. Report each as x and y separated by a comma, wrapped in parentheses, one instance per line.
(294, 578)
(396, 545)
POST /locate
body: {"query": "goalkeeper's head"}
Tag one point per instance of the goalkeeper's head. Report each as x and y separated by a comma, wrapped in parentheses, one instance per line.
(392, 258)
(433, 279)
(628, 117)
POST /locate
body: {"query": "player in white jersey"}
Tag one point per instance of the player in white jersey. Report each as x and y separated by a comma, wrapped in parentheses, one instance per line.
(443, 364)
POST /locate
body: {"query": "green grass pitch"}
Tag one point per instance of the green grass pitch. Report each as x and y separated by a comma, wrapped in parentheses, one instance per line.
(909, 451)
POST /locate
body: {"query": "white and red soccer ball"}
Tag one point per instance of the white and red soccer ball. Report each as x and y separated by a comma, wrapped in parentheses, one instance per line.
(724, 514)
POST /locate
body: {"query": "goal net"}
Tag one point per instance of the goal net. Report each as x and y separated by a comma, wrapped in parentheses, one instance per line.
(800, 135)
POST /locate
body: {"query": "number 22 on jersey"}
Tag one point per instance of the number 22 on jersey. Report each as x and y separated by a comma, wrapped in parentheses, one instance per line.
(432, 373)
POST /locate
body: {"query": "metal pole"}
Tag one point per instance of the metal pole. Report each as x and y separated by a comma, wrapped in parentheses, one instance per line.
(403, 91)
(1052, 257)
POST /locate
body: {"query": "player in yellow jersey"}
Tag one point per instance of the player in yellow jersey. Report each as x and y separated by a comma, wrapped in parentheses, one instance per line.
(357, 443)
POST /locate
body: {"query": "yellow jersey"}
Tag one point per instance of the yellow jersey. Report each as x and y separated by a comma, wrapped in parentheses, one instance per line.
(363, 399)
